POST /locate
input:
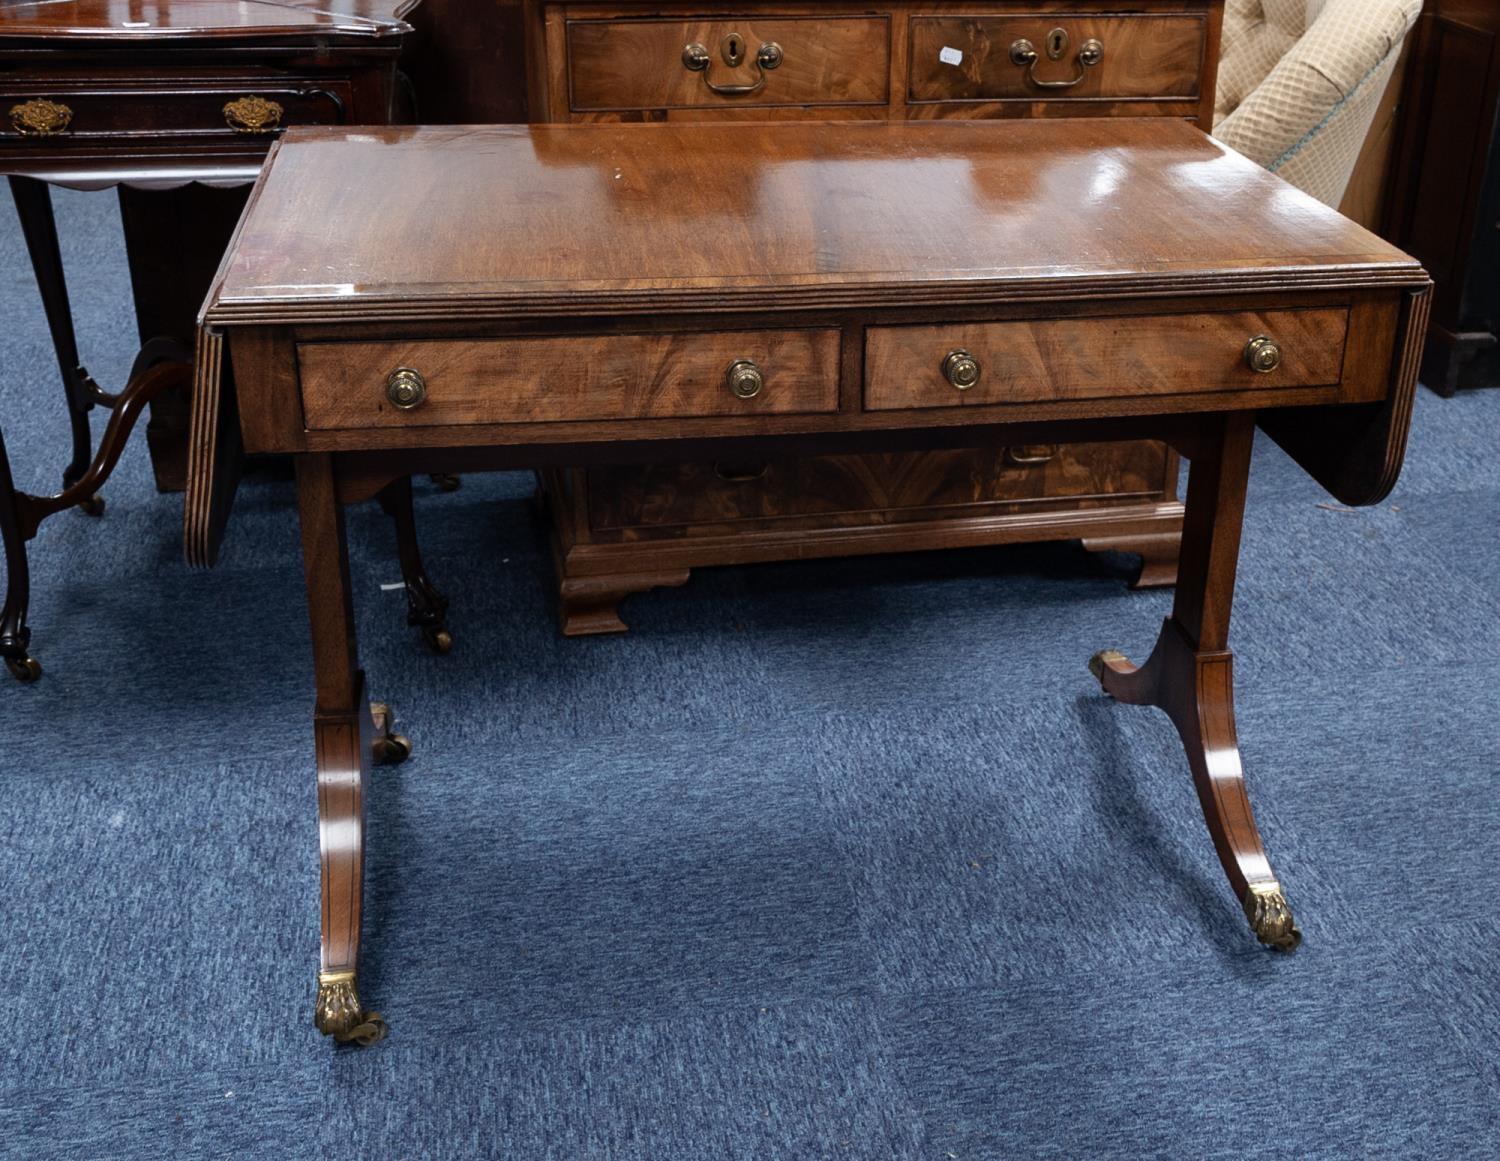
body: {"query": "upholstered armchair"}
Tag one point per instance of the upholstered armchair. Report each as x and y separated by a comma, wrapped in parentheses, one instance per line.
(1300, 81)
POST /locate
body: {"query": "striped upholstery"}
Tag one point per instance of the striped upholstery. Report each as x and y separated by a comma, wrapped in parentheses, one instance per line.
(1300, 80)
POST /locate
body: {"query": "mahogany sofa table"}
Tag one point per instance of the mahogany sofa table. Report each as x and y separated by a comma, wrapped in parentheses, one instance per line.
(445, 299)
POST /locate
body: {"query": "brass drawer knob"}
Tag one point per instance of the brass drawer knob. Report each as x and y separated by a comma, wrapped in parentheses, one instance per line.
(40, 118)
(405, 389)
(961, 369)
(744, 378)
(1263, 354)
(252, 115)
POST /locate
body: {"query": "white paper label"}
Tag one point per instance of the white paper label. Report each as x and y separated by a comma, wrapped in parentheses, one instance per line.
(951, 56)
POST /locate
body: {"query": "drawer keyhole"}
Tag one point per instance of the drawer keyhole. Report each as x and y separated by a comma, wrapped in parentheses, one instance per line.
(732, 49)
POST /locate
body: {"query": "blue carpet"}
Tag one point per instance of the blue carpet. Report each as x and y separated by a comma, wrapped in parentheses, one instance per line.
(846, 859)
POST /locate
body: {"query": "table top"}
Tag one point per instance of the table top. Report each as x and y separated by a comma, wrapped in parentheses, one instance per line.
(132, 21)
(516, 221)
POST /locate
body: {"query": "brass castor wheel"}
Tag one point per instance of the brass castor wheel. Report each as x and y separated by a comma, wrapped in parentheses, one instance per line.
(392, 749)
(372, 1030)
(26, 668)
(389, 748)
(338, 1012)
(446, 481)
(440, 641)
(93, 506)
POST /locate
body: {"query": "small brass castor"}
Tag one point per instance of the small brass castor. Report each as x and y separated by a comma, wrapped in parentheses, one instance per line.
(337, 1012)
(390, 748)
(1102, 660)
(93, 506)
(1270, 917)
(26, 668)
(446, 481)
(440, 641)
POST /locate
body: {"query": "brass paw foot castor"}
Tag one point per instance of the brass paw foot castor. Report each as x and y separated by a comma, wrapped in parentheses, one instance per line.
(338, 1012)
(1270, 917)
(390, 748)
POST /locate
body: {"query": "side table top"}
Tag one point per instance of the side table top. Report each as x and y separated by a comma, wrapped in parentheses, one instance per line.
(518, 221)
(131, 21)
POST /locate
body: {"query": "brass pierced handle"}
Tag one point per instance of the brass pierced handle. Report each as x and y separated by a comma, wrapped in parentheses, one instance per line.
(961, 369)
(405, 389)
(1023, 54)
(40, 117)
(1263, 354)
(695, 59)
(252, 115)
(1030, 455)
(744, 378)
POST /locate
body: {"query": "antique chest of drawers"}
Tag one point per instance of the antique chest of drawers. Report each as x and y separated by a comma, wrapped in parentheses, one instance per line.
(622, 530)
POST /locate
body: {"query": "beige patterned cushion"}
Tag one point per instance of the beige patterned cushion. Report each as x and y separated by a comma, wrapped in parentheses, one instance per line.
(1299, 82)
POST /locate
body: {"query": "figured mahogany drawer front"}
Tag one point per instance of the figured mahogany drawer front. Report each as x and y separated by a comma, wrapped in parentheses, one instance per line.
(256, 109)
(859, 489)
(1056, 56)
(627, 65)
(553, 380)
(1088, 358)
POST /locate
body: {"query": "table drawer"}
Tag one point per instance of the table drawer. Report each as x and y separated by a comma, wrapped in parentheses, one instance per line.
(1056, 360)
(630, 65)
(550, 380)
(171, 109)
(985, 58)
(862, 489)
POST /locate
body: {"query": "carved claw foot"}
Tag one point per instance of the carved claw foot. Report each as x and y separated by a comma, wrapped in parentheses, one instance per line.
(338, 1012)
(92, 505)
(390, 748)
(1270, 917)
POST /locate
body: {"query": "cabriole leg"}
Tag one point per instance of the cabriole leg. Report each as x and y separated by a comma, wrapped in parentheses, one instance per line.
(39, 227)
(1190, 675)
(15, 637)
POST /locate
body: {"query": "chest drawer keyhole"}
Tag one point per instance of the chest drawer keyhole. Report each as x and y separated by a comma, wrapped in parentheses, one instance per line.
(732, 49)
(1057, 43)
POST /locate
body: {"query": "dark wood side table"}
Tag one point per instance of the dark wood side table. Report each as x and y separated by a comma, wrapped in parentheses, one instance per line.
(175, 103)
(580, 306)
(1444, 197)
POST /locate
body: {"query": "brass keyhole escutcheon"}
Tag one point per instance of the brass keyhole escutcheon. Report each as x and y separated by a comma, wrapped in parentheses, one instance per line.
(732, 49)
(1263, 354)
(961, 369)
(1057, 43)
(744, 379)
(405, 388)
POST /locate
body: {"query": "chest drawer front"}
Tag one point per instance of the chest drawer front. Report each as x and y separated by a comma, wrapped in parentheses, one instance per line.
(255, 109)
(557, 380)
(1088, 358)
(631, 65)
(987, 58)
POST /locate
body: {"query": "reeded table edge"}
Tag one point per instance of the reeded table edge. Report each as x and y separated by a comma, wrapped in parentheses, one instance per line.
(527, 301)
